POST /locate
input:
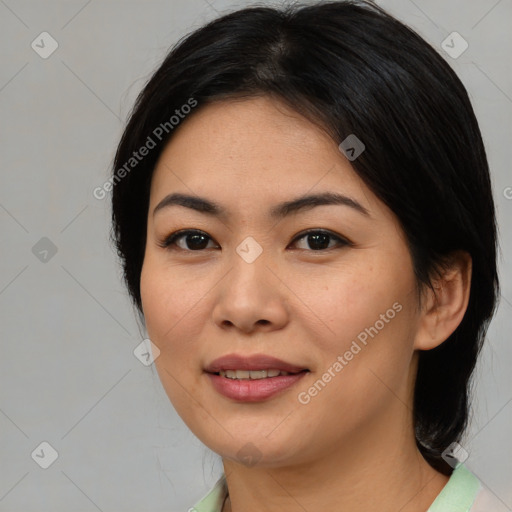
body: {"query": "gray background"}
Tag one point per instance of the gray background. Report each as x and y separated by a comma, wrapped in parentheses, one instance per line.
(68, 375)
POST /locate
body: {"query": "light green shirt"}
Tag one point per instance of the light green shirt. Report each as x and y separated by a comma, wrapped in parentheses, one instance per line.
(458, 495)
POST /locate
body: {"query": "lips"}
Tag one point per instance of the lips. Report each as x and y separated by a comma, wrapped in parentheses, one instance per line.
(251, 363)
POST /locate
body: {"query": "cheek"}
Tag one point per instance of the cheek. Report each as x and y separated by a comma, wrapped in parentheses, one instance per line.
(171, 300)
(350, 299)
(368, 319)
(171, 304)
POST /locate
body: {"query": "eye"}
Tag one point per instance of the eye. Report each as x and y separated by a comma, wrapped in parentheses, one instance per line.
(195, 239)
(319, 239)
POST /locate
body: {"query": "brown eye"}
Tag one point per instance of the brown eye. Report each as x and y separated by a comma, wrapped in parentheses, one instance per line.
(319, 240)
(195, 240)
(188, 240)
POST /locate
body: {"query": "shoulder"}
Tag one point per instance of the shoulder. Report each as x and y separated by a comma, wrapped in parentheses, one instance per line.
(487, 501)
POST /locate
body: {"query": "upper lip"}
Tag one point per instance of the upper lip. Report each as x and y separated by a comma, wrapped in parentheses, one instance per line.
(254, 362)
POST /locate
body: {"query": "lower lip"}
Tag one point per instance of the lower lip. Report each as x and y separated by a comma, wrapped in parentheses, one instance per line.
(247, 390)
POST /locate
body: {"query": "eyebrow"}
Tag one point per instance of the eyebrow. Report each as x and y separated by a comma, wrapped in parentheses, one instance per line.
(302, 203)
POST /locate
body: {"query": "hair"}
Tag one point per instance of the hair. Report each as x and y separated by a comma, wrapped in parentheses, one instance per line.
(351, 68)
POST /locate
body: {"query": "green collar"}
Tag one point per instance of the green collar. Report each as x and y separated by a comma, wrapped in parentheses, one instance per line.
(459, 493)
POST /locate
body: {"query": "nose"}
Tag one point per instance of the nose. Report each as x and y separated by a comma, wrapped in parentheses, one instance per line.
(250, 298)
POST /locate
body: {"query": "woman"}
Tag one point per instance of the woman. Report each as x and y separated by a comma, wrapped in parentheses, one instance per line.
(303, 211)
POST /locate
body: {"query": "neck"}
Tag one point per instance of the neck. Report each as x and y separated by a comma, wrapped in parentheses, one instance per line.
(372, 470)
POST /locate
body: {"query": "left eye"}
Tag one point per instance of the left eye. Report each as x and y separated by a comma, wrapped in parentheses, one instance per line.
(195, 240)
(319, 240)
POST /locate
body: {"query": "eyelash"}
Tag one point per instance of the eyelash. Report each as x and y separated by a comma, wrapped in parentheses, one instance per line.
(171, 239)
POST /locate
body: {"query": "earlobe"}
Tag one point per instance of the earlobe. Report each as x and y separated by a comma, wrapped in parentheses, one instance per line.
(443, 309)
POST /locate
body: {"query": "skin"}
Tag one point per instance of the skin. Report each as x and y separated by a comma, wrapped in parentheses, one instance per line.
(352, 446)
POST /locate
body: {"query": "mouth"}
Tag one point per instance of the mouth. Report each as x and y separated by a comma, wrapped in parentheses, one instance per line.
(254, 390)
(254, 378)
(260, 366)
(255, 374)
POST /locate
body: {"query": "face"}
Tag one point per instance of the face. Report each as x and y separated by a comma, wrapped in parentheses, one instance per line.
(324, 286)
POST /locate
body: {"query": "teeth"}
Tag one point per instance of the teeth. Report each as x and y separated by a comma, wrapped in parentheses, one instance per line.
(252, 374)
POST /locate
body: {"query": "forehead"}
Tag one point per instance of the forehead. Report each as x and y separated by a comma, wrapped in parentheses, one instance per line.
(253, 152)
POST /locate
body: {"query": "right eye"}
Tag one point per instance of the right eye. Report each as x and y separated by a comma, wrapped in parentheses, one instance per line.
(195, 240)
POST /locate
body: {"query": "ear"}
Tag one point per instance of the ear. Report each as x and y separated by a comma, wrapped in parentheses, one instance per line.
(442, 310)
